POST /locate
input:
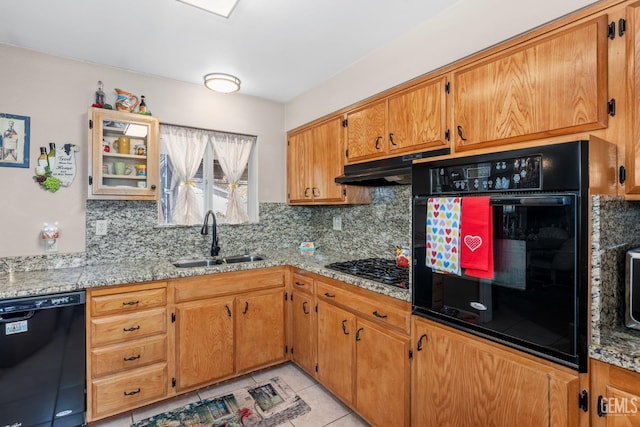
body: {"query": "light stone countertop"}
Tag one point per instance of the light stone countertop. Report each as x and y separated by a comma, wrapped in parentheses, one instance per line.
(41, 282)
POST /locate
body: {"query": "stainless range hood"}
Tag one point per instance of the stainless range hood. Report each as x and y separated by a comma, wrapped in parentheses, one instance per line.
(392, 171)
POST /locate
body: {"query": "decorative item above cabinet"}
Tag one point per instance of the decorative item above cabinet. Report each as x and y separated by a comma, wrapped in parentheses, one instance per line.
(124, 155)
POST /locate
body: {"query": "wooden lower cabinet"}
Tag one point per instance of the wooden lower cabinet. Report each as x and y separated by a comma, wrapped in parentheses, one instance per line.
(128, 348)
(615, 396)
(303, 324)
(461, 380)
(204, 341)
(227, 324)
(362, 359)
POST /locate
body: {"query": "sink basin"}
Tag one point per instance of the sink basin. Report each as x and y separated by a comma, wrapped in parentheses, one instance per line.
(218, 261)
(241, 258)
(197, 263)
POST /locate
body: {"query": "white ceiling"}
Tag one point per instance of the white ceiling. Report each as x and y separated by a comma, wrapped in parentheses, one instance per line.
(278, 48)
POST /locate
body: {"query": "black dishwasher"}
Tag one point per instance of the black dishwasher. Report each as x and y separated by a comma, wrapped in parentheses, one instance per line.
(42, 361)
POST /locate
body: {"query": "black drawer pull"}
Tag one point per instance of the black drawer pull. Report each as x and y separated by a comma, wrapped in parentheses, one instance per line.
(131, 393)
(328, 295)
(378, 315)
(131, 329)
(299, 284)
(131, 303)
(129, 359)
(344, 327)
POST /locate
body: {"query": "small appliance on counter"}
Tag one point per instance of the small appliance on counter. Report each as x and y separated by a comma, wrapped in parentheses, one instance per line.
(632, 289)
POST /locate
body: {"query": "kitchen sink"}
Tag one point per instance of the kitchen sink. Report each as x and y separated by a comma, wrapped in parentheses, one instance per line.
(217, 261)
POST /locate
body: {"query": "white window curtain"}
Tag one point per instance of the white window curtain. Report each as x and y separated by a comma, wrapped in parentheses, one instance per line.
(185, 148)
(232, 152)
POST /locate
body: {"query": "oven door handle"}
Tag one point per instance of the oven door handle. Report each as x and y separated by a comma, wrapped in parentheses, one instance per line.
(532, 201)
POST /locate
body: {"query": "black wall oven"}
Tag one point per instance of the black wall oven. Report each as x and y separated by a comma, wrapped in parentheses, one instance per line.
(536, 297)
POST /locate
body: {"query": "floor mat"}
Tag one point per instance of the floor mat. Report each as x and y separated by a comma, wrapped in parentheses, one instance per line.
(262, 405)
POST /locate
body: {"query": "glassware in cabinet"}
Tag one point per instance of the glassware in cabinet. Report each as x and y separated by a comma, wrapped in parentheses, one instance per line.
(124, 155)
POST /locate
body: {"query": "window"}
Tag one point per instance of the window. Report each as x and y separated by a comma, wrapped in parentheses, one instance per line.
(192, 184)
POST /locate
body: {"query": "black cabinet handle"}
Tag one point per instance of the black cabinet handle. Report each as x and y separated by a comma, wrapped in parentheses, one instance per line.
(419, 346)
(391, 139)
(131, 303)
(246, 307)
(344, 327)
(153, 186)
(314, 192)
(460, 133)
(299, 284)
(380, 316)
(378, 139)
(131, 393)
(306, 192)
(328, 295)
(602, 407)
(129, 359)
(228, 310)
(358, 334)
(304, 307)
(131, 329)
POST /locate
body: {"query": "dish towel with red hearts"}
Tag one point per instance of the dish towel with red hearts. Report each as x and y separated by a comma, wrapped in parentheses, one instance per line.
(443, 234)
(476, 234)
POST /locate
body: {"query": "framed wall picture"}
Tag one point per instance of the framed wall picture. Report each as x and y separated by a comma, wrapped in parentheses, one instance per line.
(14, 140)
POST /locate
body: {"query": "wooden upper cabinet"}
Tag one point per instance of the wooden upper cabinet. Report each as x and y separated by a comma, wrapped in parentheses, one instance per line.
(328, 148)
(315, 157)
(553, 85)
(417, 118)
(299, 168)
(632, 148)
(367, 132)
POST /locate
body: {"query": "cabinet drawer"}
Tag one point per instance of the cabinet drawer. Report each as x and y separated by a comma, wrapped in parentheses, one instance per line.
(131, 326)
(369, 308)
(129, 390)
(302, 283)
(128, 301)
(122, 357)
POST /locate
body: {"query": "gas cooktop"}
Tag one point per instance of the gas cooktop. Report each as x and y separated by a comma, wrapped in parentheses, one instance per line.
(377, 269)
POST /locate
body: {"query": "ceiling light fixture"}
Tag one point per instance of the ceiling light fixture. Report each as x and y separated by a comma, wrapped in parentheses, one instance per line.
(219, 7)
(221, 82)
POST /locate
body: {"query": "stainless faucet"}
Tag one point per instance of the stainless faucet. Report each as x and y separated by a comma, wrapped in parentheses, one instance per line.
(215, 249)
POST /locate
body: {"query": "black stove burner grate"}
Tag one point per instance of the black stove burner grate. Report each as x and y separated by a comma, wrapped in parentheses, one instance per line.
(377, 269)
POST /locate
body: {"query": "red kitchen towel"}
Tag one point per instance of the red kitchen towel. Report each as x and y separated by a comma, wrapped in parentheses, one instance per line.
(476, 237)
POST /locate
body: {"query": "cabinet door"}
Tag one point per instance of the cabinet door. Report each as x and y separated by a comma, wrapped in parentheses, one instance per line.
(366, 132)
(632, 148)
(417, 118)
(615, 396)
(336, 350)
(303, 325)
(299, 163)
(260, 336)
(328, 160)
(204, 341)
(382, 375)
(461, 381)
(552, 86)
(124, 158)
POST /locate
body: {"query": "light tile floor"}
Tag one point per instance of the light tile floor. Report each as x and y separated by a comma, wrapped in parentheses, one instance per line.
(326, 410)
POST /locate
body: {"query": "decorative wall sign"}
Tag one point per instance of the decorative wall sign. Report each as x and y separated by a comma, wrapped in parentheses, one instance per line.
(14, 140)
(59, 170)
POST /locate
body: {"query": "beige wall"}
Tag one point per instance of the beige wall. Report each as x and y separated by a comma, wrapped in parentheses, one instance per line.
(465, 28)
(55, 93)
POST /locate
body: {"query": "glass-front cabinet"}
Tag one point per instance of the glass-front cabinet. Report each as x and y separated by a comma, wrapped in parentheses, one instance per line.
(123, 156)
